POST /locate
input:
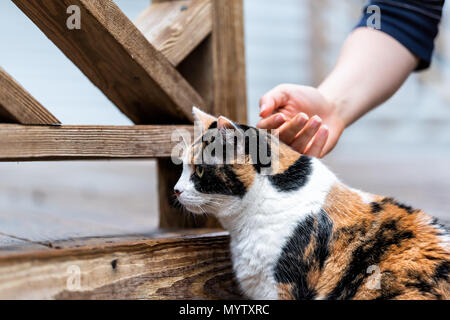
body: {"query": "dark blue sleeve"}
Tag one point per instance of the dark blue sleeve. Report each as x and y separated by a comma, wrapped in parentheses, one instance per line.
(414, 23)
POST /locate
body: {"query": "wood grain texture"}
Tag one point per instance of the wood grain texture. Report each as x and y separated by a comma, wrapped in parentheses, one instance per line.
(18, 106)
(171, 215)
(177, 27)
(22, 143)
(10, 245)
(187, 267)
(197, 68)
(117, 58)
(230, 97)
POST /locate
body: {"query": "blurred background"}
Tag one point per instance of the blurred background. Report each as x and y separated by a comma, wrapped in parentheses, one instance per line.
(401, 149)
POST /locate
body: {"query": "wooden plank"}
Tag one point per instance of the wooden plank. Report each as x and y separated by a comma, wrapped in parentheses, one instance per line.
(171, 216)
(18, 106)
(197, 68)
(176, 28)
(117, 58)
(93, 241)
(216, 68)
(192, 267)
(22, 143)
(9, 245)
(230, 97)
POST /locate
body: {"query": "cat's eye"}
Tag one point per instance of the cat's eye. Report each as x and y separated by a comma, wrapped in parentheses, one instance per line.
(199, 171)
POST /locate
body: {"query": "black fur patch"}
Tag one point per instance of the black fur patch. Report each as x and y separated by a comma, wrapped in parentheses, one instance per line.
(295, 177)
(254, 136)
(292, 266)
(211, 183)
(376, 207)
(442, 271)
(368, 253)
(325, 226)
(213, 125)
(423, 284)
(251, 136)
(379, 206)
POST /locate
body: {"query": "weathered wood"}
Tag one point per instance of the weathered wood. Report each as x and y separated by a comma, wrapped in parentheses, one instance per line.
(171, 215)
(18, 106)
(177, 27)
(230, 97)
(9, 245)
(192, 267)
(22, 143)
(117, 58)
(216, 68)
(197, 68)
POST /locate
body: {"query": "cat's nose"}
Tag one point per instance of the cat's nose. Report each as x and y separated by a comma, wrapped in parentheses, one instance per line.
(178, 192)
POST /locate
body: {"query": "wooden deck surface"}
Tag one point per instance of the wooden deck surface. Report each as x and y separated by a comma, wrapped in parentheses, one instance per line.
(189, 265)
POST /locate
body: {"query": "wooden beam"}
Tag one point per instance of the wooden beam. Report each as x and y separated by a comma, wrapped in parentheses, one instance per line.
(197, 68)
(186, 267)
(117, 58)
(18, 106)
(230, 97)
(24, 143)
(176, 28)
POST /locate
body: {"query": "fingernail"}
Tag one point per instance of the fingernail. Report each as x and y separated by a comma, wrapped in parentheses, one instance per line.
(280, 118)
(302, 119)
(304, 115)
(263, 108)
(316, 119)
(326, 127)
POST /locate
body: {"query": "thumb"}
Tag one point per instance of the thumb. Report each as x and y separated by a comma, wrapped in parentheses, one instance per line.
(271, 101)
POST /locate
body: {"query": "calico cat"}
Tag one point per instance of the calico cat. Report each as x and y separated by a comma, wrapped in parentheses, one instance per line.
(297, 232)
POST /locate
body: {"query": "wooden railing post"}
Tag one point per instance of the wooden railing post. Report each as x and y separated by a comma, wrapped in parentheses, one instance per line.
(216, 70)
(230, 95)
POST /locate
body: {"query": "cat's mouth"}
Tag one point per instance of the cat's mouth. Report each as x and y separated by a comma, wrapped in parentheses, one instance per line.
(194, 208)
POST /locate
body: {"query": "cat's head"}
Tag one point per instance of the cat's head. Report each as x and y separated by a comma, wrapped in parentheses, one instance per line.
(225, 162)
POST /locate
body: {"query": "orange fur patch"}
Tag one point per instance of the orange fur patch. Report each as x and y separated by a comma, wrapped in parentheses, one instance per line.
(406, 269)
(285, 291)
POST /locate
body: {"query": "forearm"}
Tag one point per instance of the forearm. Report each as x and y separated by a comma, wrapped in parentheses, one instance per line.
(371, 68)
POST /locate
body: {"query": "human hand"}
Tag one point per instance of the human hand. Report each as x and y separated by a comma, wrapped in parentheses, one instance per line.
(303, 118)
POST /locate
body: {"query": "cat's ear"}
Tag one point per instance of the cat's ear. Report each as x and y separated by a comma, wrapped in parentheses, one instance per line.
(202, 119)
(233, 136)
(225, 123)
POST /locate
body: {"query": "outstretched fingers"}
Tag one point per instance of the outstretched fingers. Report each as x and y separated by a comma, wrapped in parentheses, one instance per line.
(290, 129)
(304, 137)
(272, 122)
(316, 147)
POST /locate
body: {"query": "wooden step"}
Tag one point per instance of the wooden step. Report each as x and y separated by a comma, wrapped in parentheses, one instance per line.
(164, 265)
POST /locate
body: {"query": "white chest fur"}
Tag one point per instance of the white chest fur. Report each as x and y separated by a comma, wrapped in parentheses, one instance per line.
(263, 222)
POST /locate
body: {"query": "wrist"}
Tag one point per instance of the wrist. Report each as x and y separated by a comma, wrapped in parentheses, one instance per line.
(338, 105)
